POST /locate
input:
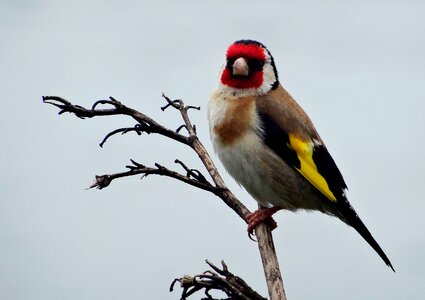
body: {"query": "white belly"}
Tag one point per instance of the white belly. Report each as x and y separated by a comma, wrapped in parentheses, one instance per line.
(245, 164)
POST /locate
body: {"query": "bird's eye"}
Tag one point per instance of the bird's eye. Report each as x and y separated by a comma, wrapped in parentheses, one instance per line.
(255, 65)
(229, 63)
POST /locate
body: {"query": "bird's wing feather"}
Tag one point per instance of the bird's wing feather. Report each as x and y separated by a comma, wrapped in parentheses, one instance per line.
(302, 150)
(318, 167)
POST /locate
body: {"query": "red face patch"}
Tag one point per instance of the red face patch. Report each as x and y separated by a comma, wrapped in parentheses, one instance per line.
(254, 80)
(246, 50)
(249, 52)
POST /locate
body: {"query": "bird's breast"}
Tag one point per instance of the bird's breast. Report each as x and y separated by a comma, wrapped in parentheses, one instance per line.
(232, 118)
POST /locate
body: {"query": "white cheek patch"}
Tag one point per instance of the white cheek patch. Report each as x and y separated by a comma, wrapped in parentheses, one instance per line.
(269, 77)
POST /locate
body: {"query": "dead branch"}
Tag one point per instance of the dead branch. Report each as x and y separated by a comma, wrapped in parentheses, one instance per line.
(216, 279)
(192, 177)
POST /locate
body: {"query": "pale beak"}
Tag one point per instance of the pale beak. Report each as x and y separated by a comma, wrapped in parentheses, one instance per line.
(240, 67)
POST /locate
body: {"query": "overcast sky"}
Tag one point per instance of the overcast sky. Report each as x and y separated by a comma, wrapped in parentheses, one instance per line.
(356, 67)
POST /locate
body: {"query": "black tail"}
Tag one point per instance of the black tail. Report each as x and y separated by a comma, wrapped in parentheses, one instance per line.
(358, 225)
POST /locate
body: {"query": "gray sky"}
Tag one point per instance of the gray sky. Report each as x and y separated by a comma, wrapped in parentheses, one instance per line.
(357, 68)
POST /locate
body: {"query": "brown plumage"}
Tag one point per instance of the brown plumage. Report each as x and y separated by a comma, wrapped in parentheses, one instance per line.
(237, 119)
(283, 109)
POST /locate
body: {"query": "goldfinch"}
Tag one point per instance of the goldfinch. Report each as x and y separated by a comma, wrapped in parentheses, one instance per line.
(269, 145)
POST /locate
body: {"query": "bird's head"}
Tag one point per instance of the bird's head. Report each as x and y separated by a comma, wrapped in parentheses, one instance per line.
(249, 69)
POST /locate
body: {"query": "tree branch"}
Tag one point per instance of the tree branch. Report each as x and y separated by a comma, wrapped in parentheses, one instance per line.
(192, 177)
(216, 279)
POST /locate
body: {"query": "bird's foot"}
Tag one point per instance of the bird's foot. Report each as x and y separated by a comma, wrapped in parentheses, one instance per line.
(260, 216)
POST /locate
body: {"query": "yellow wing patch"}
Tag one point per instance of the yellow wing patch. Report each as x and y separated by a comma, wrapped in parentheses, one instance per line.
(308, 168)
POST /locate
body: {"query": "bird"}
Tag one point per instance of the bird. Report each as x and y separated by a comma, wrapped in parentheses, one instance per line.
(269, 145)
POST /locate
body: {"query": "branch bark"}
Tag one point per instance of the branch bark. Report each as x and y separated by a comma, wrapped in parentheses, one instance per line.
(192, 177)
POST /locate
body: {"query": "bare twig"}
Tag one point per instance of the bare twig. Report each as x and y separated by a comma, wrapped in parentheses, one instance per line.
(117, 109)
(192, 177)
(102, 181)
(216, 279)
(138, 128)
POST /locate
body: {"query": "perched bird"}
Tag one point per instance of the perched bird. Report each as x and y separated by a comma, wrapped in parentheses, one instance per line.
(270, 146)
